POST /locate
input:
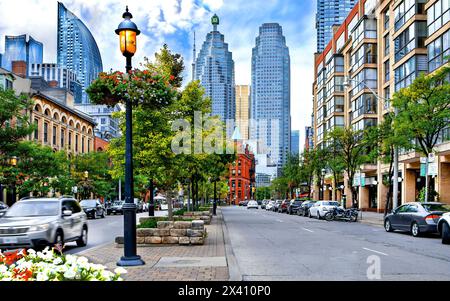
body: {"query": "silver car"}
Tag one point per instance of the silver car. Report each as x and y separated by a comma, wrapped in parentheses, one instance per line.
(40, 222)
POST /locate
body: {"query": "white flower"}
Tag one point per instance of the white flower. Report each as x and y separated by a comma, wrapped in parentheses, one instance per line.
(3, 269)
(42, 277)
(70, 274)
(120, 271)
(57, 261)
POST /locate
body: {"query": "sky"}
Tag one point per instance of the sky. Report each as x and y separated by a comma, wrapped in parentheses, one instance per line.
(173, 22)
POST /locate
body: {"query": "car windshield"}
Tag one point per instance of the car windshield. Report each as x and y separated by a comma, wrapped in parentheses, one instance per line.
(33, 208)
(436, 207)
(117, 203)
(3, 206)
(88, 203)
(330, 203)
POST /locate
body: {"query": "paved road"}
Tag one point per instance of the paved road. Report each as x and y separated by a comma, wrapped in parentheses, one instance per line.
(104, 230)
(275, 246)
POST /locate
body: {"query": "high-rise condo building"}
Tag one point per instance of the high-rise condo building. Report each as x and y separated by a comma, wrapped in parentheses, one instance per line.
(243, 109)
(329, 13)
(270, 100)
(18, 49)
(214, 68)
(380, 48)
(295, 143)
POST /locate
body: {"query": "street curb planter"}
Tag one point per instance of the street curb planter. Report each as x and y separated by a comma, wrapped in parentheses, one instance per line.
(205, 216)
(170, 233)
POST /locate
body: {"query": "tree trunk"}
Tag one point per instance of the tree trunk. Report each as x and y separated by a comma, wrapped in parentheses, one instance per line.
(169, 206)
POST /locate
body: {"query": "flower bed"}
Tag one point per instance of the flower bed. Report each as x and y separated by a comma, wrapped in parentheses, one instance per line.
(50, 266)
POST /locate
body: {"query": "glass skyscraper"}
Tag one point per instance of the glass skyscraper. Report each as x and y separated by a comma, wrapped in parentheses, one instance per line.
(295, 143)
(215, 69)
(77, 49)
(270, 97)
(329, 13)
(17, 48)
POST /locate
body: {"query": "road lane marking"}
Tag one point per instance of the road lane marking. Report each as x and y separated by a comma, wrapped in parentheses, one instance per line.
(376, 251)
(308, 230)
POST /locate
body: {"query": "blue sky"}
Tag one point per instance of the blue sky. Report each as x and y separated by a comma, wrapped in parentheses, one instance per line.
(173, 22)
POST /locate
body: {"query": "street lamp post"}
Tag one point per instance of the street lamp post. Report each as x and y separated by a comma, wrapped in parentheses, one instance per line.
(323, 183)
(128, 32)
(151, 203)
(395, 167)
(13, 163)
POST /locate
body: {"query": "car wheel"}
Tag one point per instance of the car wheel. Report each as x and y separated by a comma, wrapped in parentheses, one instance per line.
(82, 240)
(59, 237)
(318, 215)
(103, 214)
(388, 226)
(445, 234)
(309, 214)
(415, 230)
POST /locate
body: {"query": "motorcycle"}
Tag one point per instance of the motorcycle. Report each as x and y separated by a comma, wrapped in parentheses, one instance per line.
(337, 213)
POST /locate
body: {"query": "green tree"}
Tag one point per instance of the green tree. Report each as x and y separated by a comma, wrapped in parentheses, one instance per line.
(423, 111)
(334, 161)
(14, 124)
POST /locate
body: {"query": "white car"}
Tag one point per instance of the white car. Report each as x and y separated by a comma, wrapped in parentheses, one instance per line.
(321, 208)
(444, 228)
(253, 204)
(269, 205)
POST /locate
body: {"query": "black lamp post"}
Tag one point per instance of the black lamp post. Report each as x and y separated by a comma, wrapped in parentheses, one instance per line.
(13, 163)
(128, 32)
(151, 203)
(323, 183)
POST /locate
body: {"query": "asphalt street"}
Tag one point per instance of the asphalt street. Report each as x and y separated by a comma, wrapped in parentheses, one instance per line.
(104, 230)
(274, 246)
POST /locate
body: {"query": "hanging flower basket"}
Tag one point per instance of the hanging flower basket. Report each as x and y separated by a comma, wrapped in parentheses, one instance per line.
(142, 88)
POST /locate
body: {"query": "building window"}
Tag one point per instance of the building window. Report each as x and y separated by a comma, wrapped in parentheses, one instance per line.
(404, 12)
(82, 144)
(8, 84)
(89, 146)
(386, 20)
(76, 142)
(367, 29)
(63, 134)
(364, 104)
(387, 45)
(387, 71)
(438, 15)
(387, 97)
(70, 141)
(407, 72)
(366, 54)
(54, 135)
(36, 131)
(45, 132)
(407, 41)
(439, 51)
(362, 80)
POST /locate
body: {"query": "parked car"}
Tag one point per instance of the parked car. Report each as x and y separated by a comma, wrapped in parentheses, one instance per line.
(252, 204)
(93, 208)
(320, 208)
(264, 203)
(243, 203)
(39, 222)
(259, 202)
(293, 206)
(3, 208)
(303, 210)
(276, 205)
(283, 206)
(116, 208)
(139, 205)
(269, 205)
(415, 217)
(444, 228)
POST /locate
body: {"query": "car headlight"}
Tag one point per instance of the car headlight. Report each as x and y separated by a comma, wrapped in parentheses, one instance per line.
(42, 227)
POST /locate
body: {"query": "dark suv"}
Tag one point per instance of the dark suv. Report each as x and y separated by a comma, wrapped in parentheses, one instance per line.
(304, 208)
(284, 206)
(293, 206)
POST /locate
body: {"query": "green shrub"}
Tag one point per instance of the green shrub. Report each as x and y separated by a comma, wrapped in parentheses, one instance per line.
(150, 223)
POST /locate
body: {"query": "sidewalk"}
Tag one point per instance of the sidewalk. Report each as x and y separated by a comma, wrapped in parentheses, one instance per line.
(207, 262)
(371, 218)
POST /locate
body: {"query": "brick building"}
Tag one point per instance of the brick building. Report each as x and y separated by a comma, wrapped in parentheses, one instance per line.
(242, 176)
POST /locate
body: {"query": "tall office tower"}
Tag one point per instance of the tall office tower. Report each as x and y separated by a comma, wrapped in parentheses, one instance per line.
(215, 69)
(270, 99)
(243, 109)
(295, 143)
(17, 48)
(77, 49)
(329, 13)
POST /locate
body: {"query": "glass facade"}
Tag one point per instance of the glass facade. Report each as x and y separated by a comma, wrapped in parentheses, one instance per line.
(77, 50)
(295, 143)
(17, 48)
(329, 13)
(270, 97)
(215, 69)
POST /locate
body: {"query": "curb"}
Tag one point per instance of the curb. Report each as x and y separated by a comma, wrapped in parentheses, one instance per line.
(233, 267)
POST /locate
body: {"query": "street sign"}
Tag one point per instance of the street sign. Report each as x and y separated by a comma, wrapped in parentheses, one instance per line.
(363, 179)
(423, 169)
(423, 160)
(433, 169)
(431, 157)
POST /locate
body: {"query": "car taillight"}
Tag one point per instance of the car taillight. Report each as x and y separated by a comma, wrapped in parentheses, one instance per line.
(432, 219)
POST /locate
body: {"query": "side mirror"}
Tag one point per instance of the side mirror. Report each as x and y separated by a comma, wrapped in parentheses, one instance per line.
(67, 213)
